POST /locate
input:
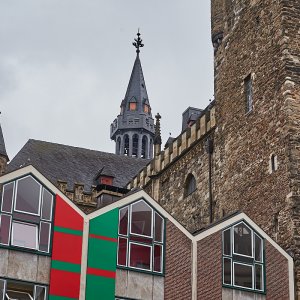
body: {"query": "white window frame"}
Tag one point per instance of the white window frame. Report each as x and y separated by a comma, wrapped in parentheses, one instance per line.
(162, 228)
(42, 206)
(41, 286)
(129, 256)
(4, 289)
(128, 219)
(127, 249)
(136, 234)
(10, 227)
(161, 258)
(230, 242)
(49, 236)
(233, 275)
(261, 248)
(252, 244)
(262, 276)
(40, 196)
(28, 224)
(13, 197)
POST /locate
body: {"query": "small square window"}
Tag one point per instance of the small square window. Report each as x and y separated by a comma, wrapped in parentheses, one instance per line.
(140, 256)
(24, 235)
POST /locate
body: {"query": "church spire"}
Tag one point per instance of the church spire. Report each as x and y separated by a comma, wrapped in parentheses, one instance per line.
(133, 130)
(3, 154)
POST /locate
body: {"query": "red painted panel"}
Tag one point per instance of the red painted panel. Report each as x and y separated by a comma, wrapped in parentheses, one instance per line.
(66, 216)
(67, 247)
(101, 273)
(65, 284)
(104, 238)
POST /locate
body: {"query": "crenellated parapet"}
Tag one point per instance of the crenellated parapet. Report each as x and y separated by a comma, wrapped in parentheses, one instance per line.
(203, 125)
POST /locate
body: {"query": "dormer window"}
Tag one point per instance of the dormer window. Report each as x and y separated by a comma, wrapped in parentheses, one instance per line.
(132, 104)
(107, 180)
(26, 215)
(146, 108)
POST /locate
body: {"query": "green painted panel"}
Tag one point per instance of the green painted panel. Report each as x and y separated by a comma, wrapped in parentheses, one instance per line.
(106, 224)
(100, 288)
(65, 266)
(102, 254)
(51, 297)
(67, 230)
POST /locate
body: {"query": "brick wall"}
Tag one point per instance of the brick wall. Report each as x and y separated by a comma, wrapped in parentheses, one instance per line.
(277, 274)
(178, 265)
(209, 277)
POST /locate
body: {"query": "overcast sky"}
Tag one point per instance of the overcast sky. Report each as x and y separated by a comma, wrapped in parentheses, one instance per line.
(65, 66)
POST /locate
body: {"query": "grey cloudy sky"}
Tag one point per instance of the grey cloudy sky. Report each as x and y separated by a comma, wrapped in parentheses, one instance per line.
(65, 66)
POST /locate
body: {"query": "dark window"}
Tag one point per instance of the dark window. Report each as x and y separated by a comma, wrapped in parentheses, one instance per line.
(21, 290)
(26, 215)
(190, 185)
(248, 93)
(141, 238)
(243, 261)
(126, 145)
(135, 145)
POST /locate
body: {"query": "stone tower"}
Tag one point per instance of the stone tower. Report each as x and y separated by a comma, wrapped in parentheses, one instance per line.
(257, 92)
(133, 129)
(3, 155)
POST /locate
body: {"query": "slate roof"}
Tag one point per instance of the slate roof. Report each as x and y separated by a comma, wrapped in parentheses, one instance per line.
(136, 87)
(75, 165)
(2, 145)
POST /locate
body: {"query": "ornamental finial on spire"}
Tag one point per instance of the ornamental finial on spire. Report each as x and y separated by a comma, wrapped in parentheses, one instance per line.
(138, 42)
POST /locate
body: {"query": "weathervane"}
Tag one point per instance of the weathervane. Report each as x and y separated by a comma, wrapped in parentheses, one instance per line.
(138, 42)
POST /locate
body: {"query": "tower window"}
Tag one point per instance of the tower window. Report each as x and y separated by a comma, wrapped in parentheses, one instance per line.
(146, 108)
(132, 106)
(249, 93)
(273, 163)
(190, 185)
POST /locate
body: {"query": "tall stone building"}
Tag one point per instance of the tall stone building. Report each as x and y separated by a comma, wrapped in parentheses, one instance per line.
(3, 154)
(133, 129)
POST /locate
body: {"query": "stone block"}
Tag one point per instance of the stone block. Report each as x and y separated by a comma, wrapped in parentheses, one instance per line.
(43, 270)
(3, 262)
(140, 285)
(158, 287)
(121, 283)
(227, 294)
(22, 265)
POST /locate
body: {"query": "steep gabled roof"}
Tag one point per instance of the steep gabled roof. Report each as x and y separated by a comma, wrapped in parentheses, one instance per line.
(75, 165)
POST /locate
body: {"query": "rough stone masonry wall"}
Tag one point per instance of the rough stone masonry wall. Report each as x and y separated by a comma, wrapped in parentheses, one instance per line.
(178, 264)
(261, 38)
(244, 142)
(192, 211)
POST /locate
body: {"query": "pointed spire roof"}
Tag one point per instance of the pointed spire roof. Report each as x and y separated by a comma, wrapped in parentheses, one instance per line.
(136, 90)
(2, 145)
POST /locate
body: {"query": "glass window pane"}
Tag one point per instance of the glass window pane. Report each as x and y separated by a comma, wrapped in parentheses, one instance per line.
(5, 221)
(159, 228)
(258, 248)
(122, 252)
(2, 287)
(7, 197)
(157, 266)
(243, 275)
(140, 256)
(141, 239)
(242, 240)
(24, 235)
(226, 242)
(28, 196)
(40, 293)
(141, 219)
(227, 270)
(258, 277)
(44, 236)
(123, 221)
(47, 205)
(19, 290)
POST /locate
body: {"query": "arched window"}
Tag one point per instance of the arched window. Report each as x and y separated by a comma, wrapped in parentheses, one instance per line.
(126, 144)
(118, 145)
(141, 238)
(26, 215)
(243, 258)
(135, 145)
(144, 147)
(273, 163)
(190, 185)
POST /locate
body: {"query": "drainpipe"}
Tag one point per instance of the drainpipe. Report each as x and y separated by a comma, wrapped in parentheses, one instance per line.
(209, 149)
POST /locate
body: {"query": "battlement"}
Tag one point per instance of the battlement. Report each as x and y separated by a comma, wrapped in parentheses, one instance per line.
(203, 125)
